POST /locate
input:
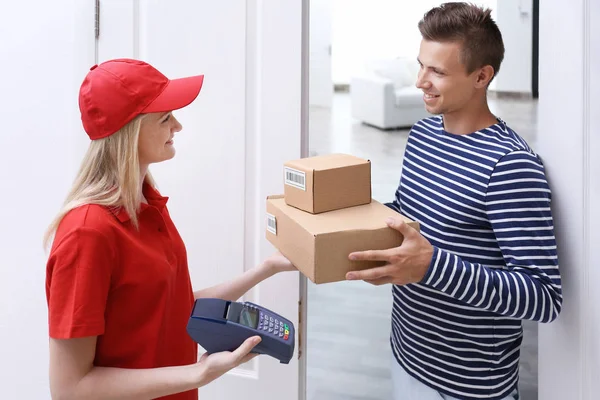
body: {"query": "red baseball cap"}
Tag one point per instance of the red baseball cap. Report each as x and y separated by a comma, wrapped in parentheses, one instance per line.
(116, 91)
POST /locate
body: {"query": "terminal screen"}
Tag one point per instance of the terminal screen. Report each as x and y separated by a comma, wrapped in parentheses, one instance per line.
(249, 318)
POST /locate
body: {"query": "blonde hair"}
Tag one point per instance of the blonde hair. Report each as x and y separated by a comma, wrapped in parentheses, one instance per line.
(109, 176)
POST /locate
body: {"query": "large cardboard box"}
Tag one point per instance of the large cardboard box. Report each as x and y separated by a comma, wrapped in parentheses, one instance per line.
(328, 182)
(319, 244)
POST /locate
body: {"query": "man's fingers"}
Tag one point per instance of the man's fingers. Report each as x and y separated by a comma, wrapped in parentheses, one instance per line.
(370, 274)
(371, 255)
(401, 226)
(385, 255)
(380, 281)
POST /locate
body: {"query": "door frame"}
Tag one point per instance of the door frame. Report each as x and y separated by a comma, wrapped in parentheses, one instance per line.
(569, 356)
(304, 152)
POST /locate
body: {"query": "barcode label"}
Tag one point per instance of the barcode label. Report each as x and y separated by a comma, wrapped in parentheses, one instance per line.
(295, 178)
(271, 224)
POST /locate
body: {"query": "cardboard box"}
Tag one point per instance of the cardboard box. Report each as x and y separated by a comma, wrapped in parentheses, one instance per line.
(319, 244)
(326, 183)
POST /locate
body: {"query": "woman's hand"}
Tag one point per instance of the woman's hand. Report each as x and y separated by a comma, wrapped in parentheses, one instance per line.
(213, 366)
(278, 263)
(235, 288)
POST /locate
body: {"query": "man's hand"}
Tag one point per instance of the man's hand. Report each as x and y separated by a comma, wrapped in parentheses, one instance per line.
(407, 263)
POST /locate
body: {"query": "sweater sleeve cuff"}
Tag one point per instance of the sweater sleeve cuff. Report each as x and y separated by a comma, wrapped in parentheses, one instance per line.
(438, 268)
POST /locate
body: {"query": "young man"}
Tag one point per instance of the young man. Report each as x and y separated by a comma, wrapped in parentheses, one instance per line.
(485, 257)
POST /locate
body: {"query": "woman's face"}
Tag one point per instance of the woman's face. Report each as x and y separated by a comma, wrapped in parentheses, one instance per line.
(155, 143)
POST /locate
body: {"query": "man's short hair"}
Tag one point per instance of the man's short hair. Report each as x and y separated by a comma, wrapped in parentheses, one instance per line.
(470, 25)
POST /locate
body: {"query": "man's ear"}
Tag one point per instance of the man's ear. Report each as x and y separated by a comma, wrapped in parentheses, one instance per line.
(484, 76)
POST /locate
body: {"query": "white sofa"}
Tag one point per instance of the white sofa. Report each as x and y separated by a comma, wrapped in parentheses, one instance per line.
(385, 95)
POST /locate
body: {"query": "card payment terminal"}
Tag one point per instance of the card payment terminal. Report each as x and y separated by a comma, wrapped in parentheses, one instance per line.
(221, 325)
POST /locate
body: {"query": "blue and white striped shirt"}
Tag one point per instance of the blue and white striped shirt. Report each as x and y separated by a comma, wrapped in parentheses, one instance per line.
(483, 202)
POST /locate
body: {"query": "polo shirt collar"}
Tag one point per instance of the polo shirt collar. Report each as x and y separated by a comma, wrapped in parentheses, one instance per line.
(153, 197)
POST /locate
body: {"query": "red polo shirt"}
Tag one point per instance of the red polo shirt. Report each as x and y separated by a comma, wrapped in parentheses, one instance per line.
(130, 288)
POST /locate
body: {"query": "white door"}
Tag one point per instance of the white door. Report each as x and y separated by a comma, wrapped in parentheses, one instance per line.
(321, 83)
(236, 136)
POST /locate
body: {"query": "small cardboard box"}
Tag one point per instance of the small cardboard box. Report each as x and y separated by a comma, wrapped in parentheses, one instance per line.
(319, 244)
(326, 183)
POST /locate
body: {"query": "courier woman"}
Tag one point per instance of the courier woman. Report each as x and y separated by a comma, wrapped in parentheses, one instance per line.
(117, 281)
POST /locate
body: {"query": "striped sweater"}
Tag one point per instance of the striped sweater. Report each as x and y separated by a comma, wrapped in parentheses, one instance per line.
(483, 202)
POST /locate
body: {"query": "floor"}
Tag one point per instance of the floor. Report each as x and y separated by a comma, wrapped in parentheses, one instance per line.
(348, 326)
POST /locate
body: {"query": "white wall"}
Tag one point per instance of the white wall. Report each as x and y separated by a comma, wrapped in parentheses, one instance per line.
(45, 54)
(320, 81)
(377, 29)
(569, 143)
(515, 19)
(364, 31)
